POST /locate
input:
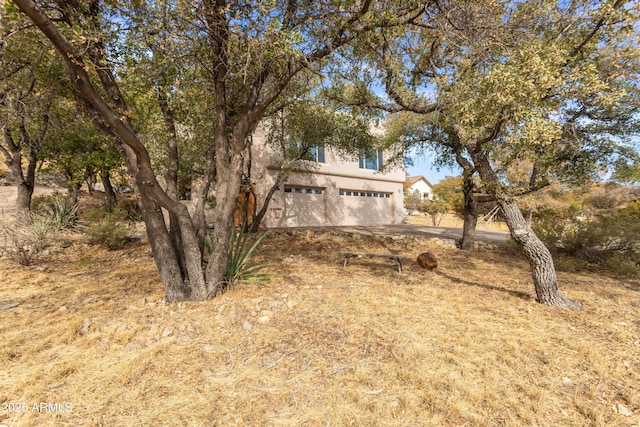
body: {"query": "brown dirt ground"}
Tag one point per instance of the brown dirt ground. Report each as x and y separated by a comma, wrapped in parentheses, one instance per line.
(465, 345)
(9, 194)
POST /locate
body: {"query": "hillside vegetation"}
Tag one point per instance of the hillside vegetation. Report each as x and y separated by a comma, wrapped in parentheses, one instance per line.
(366, 346)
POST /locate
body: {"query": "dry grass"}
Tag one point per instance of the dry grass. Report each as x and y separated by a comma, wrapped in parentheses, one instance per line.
(366, 346)
(454, 221)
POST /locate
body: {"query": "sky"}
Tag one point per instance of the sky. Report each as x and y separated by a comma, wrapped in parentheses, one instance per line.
(423, 165)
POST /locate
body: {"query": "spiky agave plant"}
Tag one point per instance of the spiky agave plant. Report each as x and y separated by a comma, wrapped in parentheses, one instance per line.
(238, 256)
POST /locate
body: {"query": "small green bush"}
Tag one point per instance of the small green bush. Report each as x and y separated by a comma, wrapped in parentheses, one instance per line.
(623, 265)
(611, 240)
(107, 229)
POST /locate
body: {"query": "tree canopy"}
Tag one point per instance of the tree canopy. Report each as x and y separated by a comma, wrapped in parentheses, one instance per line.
(518, 93)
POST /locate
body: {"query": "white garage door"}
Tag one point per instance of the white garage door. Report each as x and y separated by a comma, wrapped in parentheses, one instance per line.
(304, 206)
(366, 207)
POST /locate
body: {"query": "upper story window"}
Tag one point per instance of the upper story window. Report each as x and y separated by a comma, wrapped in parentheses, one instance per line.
(317, 153)
(313, 153)
(371, 159)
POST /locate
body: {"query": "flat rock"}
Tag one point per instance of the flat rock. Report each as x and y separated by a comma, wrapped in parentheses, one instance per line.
(623, 410)
(84, 329)
(9, 304)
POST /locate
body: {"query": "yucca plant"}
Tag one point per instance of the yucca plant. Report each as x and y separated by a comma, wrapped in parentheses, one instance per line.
(56, 209)
(238, 256)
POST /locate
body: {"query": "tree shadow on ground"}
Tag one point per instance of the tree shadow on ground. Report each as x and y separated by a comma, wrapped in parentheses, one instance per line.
(518, 294)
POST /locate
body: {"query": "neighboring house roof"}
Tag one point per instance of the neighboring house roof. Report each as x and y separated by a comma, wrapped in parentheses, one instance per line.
(413, 179)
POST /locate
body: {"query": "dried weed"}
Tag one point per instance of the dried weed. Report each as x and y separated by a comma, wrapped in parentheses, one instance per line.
(464, 345)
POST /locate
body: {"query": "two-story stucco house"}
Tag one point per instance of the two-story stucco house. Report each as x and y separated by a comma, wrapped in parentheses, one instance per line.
(337, 191)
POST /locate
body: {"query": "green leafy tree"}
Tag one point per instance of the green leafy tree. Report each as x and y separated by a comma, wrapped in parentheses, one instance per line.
(505, 81)
(79, 151)
(248, 53)
(28, 84)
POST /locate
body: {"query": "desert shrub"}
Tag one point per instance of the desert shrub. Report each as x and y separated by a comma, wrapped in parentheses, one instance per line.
(633, 209)
(108, 229)
(623, 265)
(610, 240)
(436, 210)
(55, 210)
(20, 243)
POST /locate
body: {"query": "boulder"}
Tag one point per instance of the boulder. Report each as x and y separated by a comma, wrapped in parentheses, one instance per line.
(428, 261)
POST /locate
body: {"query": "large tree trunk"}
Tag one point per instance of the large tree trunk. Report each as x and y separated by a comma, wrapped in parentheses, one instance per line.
(23, 202)
(228, 181)
(24, 180)
(543, 269)
(171, 175)
(199, 216)
(470, 212)
(164, 254)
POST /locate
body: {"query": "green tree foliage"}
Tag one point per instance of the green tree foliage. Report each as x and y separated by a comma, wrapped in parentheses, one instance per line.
(30, 77)
(503, 82)
(76, 148)
(449, 190)
(239, 58)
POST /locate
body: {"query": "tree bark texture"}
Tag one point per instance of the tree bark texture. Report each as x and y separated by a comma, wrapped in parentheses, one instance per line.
(111, 199)
(24, 179)
(470, 212)
(543, 271)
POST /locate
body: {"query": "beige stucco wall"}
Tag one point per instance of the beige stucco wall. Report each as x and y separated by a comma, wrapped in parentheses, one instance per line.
(381, 204)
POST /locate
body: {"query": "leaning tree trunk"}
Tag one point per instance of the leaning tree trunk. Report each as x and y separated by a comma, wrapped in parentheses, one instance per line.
(543, 269)
(265, 205)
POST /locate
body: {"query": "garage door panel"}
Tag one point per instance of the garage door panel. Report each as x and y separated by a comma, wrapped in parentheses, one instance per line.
(366, 207)
(304, 207)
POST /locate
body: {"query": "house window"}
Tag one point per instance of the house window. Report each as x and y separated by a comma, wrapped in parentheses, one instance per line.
(371, 159)
(303, 190)
(317, 153)
(313, 153)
